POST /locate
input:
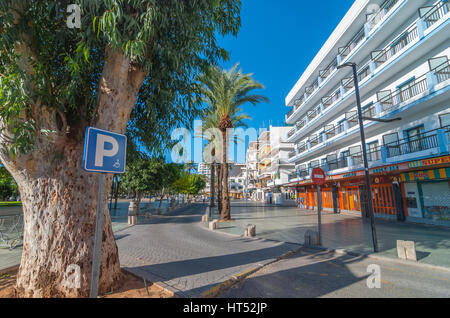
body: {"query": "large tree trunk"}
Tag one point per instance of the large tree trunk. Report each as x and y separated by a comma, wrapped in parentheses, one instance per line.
(226, 209)
(59, 203)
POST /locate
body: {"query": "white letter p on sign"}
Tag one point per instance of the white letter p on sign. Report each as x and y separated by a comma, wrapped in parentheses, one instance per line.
(101, 152)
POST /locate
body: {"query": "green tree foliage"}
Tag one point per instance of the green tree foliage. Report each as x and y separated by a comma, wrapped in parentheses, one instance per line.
(43, 63)
(8, 186)
(143, 176)
(191, 184)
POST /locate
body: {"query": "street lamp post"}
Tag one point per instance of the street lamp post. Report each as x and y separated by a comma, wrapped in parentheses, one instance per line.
(363, 145)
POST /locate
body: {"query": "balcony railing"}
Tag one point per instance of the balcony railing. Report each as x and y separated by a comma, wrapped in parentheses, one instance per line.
(424, 141)
(380, 57)
(301, 147)
(329, 69)
(358, 38)
(309, 90)
(442, 72)
(330, 131)
(348, 83)
(300, 124)
(291, 132)
(432, 14)
(395, 98)
(314, 140)
(384, 10)
(313, 113)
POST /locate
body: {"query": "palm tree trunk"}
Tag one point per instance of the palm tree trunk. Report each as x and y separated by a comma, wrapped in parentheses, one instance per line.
(225, 214)
(211, 185)
(219, 187)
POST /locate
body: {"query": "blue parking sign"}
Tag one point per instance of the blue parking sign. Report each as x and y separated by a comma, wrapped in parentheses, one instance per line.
(104, 151)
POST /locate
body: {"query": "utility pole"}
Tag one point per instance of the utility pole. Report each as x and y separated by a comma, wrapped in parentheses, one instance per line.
(363, 145)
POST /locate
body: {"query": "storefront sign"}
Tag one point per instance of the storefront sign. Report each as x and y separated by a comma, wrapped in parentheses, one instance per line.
(429, 162)
(318, 176)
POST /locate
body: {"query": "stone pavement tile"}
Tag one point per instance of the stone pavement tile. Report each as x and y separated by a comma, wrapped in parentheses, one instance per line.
(179, 251)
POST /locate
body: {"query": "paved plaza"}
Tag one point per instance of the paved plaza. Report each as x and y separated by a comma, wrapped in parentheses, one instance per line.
(340, 231)
(178, 252)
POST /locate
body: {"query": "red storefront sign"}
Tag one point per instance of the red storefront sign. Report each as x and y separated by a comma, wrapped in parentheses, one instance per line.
(318, 176)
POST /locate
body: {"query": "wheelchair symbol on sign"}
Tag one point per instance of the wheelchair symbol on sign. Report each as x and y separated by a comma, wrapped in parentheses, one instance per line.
(117, 164)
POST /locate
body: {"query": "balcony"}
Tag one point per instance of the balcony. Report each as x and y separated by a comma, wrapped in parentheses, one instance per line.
(442, 72)
(358, 38)
(314, 140)
(391, 100)
(432, 14)
(429, 140)
(390, 50)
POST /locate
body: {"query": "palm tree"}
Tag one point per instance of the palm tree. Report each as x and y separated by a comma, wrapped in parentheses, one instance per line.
(225, 92)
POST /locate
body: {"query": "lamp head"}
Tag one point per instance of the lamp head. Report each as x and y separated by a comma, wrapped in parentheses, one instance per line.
(348, 64)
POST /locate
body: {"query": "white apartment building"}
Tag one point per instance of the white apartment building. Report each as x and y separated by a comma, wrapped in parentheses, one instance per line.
(270, 158)
(401, 49)
(204, 169)
(251, 168)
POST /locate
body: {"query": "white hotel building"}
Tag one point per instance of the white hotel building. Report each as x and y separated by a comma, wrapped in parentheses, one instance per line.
(401, 48)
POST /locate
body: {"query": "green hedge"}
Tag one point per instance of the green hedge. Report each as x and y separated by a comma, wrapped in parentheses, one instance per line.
(10, 203)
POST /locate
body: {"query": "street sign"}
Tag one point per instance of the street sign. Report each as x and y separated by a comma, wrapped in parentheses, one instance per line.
(318, 176)
(104, 151)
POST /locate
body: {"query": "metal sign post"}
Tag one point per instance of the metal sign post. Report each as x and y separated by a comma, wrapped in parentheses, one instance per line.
(318, 177)
(104, 152)
(319, 211)
(96, 258)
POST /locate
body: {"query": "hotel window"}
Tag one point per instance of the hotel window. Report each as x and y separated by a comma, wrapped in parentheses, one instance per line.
(314, 164)
(344, 155)
(415, 139)
(391, 143)
(445, 120)
(356, 154)
(332, 162)
(374, 153)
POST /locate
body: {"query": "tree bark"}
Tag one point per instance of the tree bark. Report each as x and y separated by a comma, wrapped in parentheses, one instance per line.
(219, 187)
(211, 185)
(59, 205)
(226, 209)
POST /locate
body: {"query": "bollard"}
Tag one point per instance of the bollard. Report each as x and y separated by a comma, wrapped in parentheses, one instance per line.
(406, 250)
(213, 225)
(132, 217)
(250, 230)
(312, 238)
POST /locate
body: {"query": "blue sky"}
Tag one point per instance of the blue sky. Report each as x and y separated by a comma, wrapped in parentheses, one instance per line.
(277, 41)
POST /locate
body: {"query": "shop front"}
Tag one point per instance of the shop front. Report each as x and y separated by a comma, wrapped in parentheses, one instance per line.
(427, 194)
